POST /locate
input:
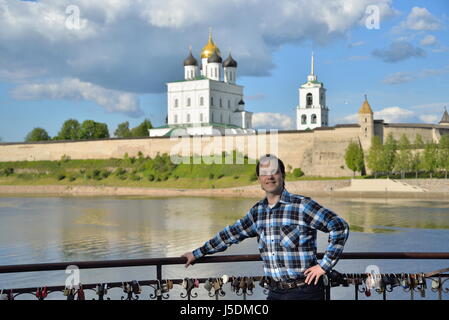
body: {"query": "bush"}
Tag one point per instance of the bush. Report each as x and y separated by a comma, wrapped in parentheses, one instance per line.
(105, 174)
(297, 172)
(236, 177)
(150, 177)
(211, 176)
(134, 177)
(7, 171)
(72, 178)
(220, 176)
(253, 177)
(119, 171)
(61, 176)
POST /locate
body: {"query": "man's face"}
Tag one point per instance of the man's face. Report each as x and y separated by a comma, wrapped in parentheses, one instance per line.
(270, 177)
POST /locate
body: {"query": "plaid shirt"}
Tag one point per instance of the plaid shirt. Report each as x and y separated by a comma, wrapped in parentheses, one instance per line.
(286, 235)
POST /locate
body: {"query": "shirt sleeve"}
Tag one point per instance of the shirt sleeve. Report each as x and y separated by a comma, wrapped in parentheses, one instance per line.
(327, 221)
(240, 230)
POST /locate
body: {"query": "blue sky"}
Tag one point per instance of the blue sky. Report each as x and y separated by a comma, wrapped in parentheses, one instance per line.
(112, 64)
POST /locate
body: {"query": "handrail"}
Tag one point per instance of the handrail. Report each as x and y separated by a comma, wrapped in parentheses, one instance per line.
(207, 259)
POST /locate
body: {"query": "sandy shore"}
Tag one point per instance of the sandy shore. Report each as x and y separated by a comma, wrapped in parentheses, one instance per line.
(328, 188)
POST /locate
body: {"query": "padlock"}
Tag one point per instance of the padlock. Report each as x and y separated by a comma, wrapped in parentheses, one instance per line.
(217, 285)
(250, 284)
(170, 284)
(66, 292)
(208, 285)
(3, 296)
(225, 279)
(435, 284)
(184, 283)
(196, 283)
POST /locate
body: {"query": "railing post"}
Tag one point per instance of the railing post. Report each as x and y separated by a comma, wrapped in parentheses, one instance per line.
(159, 277)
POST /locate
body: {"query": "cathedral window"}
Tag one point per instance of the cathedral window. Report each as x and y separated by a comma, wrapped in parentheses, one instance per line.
(188, 102)
(309, 100)
(221, 104)
(303, 119)
(229, 104)
(212, 101)
(201, 117)
(313, 118)
(188, 117)
(176, 118)
(201, 101)
(176, 103)
(221, 118)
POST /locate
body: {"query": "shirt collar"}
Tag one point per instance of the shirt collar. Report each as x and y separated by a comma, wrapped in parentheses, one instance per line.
(285, 198)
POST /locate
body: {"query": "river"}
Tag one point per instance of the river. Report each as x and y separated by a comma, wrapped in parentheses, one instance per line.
(53, 229)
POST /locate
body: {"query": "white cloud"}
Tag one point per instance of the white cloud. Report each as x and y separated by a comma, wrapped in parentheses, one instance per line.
(428, 40)
(399, 77)
(397, 51)
(429, 118)
(394, 114)
(421, 19)
(74, 89)
(138, 46)
(269, 120)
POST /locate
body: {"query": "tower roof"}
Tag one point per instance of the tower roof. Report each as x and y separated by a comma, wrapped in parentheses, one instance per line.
(210, 47)
(365, 108)
(445, 118)
(190, 60)
(214, 58)
(230, 62)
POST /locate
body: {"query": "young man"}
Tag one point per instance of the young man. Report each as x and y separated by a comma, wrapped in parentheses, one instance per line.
(286, 226)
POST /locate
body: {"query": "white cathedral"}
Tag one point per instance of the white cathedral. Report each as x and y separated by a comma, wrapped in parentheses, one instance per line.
(208, 100)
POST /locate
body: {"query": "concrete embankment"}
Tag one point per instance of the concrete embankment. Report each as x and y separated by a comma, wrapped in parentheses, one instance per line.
(426, 188)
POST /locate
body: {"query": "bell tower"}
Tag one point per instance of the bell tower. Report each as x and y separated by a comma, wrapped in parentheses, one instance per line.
(312, 111)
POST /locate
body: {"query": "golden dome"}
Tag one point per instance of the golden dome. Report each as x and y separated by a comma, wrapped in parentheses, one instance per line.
(365, 108)
(209, 48)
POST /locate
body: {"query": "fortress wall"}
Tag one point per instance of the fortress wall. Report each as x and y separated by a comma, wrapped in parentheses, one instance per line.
(317, 153)
(410, 132)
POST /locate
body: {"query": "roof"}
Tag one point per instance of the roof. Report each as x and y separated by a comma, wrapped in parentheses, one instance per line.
(366, 108)
(445, 118)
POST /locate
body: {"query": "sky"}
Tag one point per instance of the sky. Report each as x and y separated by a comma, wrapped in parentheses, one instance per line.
(109, 60)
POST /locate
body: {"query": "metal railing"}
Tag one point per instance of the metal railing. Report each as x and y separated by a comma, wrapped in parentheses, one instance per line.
(242, 286)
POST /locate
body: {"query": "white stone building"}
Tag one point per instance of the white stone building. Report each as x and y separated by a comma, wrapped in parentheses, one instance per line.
(312, 112)
(207, 100)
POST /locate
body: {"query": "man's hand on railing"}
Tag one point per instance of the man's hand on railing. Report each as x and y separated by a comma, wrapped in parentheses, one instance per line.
(190, 258)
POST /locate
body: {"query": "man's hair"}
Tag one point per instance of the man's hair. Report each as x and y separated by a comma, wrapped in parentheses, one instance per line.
(270, 157)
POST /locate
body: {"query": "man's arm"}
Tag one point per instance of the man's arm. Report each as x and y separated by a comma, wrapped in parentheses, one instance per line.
(240, 230)
(327, 221)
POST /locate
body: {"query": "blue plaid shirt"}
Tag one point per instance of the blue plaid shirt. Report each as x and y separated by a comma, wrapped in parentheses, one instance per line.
(286, 235)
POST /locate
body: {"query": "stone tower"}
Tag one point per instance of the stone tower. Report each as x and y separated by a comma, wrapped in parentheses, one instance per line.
(366, 122)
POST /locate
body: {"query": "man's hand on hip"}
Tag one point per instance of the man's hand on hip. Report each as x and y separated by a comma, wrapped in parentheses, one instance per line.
(190, 258)
(314, 272)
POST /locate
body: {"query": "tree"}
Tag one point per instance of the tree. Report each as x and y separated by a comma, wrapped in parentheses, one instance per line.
(70, 130)
(122, 130)
(142, 129)
(374, 159)
(419, 143)
(443, 154)
(389, 154)
(93, 130)
(430, 158)
(354, 157)
(416, 162)
(37, 134)
(403, 161)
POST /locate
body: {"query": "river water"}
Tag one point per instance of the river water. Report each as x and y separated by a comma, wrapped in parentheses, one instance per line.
(54, 229)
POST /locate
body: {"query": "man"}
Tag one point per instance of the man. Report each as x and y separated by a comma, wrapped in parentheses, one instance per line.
(285, 225)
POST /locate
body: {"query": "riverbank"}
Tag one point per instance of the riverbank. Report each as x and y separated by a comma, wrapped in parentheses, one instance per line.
(316, 188)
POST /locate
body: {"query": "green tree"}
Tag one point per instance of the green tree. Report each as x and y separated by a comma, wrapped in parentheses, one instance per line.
(419, 143)
(93, 130)
(430, 158)
(416, 162)
(70, 130)
(354, 157)
(389, 154)
(403, 161)
(142, 129)
(374, 159)
(37, 134)
(443, 154)
(122, 130)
